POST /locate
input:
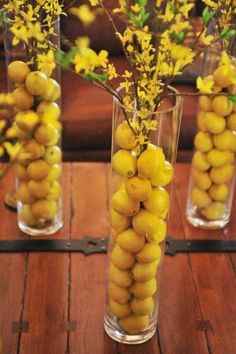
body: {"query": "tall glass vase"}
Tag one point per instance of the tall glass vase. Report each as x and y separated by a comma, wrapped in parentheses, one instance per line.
(212, 179)
(34, 80)
(139, 206)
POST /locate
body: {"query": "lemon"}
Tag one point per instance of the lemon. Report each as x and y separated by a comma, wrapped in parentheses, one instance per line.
(222, 106)
(219, 192)
(23, 194)
(146, 223)
(215, 124)
(217, 158)
(36, 82)
(44, 209)
(38, 170)
(52, 91)
(231, 121)
(54, 173)
(23, 99)
(119, 277)
(143, 289)
(134, 324)
(201, 121)
(118, 294)
(142, 306)
(200, 161)
(138, 188)
(48, 110)
(27, 216)
(124, 163)
(18, 132)
(205, 103)
(200, 198)
(203, 141)
(225, 140)
(123, 204)
(150, 253)
(160, 234)
(119, 310)
(149, 161)
(55, 191)
(121, 258)
(158, 202)
(53, 155)
(144, 271)
(130, 241)
(35, 149)
(163, 176)
(222, 174)
(124, 136)
(21, 173)
(223, 75)
(202, 180)
(39, 189)
(214, 211)
(27, 120)
(119, 222)
(47, 134)
(17, 71)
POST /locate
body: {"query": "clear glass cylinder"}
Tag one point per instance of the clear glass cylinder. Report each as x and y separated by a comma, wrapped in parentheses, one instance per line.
(34, 79)
(139, 205)
(212, 178)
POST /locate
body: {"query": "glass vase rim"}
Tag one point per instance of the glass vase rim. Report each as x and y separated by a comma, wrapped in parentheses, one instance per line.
(179, 101)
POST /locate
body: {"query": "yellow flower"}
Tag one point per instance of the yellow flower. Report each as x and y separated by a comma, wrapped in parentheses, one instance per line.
(95, 2)
(205, 85)
(102, 58)
(46, 62)
(34, 31)
(84, 13)
(111, 72)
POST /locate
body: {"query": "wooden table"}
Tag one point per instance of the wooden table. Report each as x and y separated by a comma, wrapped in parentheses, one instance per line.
(53, 303)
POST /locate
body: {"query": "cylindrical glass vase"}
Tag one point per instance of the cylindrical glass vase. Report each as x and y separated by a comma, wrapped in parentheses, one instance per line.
(212, 179)
(139, 205)
(34, 79)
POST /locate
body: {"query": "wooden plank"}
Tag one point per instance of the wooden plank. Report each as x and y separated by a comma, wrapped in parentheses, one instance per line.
(90, 217)
(214, 280)
(12, 275)
(179, 307)
(46, 297)
(230, 230)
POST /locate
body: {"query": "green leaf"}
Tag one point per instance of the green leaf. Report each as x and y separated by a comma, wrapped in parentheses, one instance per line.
(207, 15)
(1, 17)
(227, 33)
(232, 98)
(94, 76)
(65, 58)
(178, 37)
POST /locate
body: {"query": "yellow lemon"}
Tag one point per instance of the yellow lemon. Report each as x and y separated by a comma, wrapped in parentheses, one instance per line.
(17, 71)
(200, 161)
(39, 189)
(123, 204)
(143, 289)
(124, 163)
(35, 149)
(118, 294)
(130, 241)
(222, 106)
(23, 99)
(223, 75)
(121, 258)
(205, 103)
(38, 170)
(160, 234)
(219, 192)
(150, 253)
(21, 173)
(222, 174)
(124, 136)
(202, 179)
(214, 211)
(134, 324)
(53, 155)
(215, 124)
(27, 120)
(23, 194)
(119, 222)
(54, 173)
(52, 91)
(200, 198)
(158, 202)
(163, 176)
(17, 132)
(121, 278)
(147, 224)
(55, 191)
(144, 271)
(27, 216)
(36, 82)
(48, 110)
(231, 121)
(149, 161)
(225, 140)
(44, 209)
(119, 310)
(138, 188)
(203, 141)
(142, 306)
(201, 121)
(47, 134)
(217, 158)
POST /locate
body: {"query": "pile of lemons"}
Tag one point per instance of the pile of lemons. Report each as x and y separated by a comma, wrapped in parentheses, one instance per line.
(139, 207)
(37, 127)
(215, 144)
